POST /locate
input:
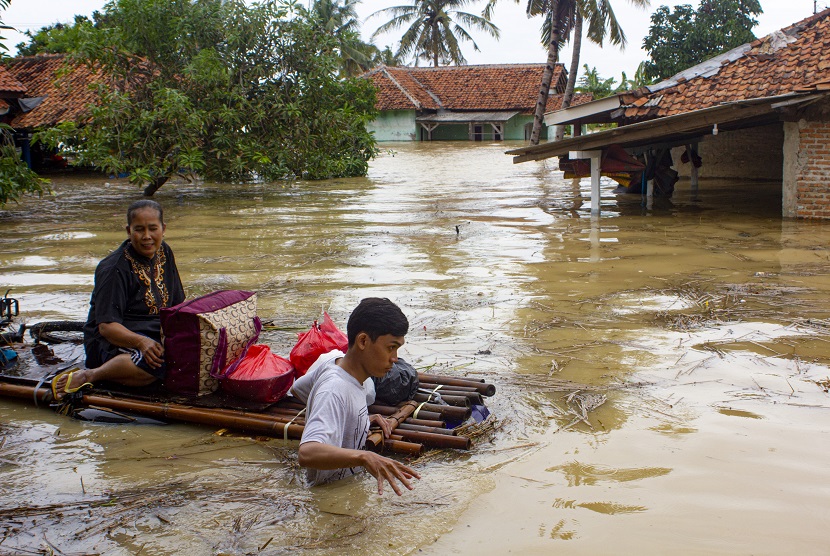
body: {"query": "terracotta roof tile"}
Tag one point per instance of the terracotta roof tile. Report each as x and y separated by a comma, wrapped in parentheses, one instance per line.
(768, 68)
(481, 87)
(8, 84)
(66, 86)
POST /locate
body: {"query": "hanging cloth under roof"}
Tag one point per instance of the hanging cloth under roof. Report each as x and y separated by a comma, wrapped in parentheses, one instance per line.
(29, 104)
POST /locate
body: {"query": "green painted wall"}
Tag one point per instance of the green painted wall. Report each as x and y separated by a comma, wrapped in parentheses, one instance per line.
(399, 125)
(395, 125)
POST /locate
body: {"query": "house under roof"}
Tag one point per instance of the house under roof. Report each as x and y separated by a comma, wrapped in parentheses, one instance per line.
(461, 102)
(57, 91)
(757, 111)
(40, 92)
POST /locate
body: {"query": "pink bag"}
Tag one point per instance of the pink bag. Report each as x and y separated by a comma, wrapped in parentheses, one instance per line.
(260, 376)
(318, 340)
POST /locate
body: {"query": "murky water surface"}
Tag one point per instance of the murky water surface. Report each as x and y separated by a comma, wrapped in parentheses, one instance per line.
(662, 373)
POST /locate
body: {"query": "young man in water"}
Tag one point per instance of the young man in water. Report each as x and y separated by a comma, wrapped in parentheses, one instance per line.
(337, 421)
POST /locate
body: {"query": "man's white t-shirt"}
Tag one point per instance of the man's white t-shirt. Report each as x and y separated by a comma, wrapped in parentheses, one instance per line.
(301, 388)
(337, 415)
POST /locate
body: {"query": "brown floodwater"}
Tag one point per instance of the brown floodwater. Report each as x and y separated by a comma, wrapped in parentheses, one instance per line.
(662, 372)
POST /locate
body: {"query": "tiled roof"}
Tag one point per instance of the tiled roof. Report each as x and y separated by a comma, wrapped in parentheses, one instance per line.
(8, 84)
(482, 88)
(66, 88)
(796, 58)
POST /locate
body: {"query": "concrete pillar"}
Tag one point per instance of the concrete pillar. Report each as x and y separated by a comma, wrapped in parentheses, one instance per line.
(792, 169)
(595, 157)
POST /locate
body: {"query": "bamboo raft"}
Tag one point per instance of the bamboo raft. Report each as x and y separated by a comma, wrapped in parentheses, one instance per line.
(417, 424)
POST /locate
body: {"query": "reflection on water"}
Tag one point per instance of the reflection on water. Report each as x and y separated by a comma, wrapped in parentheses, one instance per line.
(684, 314)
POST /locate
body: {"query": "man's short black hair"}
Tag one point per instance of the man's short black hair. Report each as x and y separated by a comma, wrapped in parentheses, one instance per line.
(376, 316)
(143, 204)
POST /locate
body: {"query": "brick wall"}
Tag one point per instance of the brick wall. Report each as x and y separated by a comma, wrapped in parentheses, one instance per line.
(812, 172)
(752, 153)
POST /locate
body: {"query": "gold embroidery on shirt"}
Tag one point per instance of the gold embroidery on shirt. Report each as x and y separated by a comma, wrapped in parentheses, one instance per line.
(144, 273)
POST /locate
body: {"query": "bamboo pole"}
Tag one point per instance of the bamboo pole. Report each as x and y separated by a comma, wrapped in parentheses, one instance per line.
(458, 401)
(471, 393)
(431, 386)
(228, 418)
(481, 387)
(259, 423)
(451, 411)
(421, 428)
(387, 410)
(435, 440)
(426, 423)
(376, 438)
(400, 446)
(288, 403)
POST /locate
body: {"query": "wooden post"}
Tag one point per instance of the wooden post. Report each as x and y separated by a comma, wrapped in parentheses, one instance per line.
(429, 128)
(498, 129)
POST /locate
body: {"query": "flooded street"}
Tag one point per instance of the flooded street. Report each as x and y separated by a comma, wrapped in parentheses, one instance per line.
(662, 374)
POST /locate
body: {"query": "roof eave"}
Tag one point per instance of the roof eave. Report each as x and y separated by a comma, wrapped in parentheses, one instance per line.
(686, 124)
(596, 111)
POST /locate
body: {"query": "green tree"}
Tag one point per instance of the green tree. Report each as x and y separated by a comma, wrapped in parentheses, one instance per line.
(435, 29)
(683, 37)
(221, 90)
(16, 179)
(59, 38)
(591, 82)
(3, 48)
(386, 57)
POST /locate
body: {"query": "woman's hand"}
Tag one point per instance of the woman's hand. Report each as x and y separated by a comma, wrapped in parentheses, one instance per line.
(152, 351)
(118, 335)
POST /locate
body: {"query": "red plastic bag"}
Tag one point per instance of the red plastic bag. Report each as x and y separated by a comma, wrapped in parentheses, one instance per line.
(260, 376)
(330, 329)
(318, 340)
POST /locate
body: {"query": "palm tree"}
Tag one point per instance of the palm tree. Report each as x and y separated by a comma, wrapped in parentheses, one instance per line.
(561, 17)
(576, 44)
(436, 27)
(340, 21)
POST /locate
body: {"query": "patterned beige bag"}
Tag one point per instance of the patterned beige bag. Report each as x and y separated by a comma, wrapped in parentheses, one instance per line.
(204, 336)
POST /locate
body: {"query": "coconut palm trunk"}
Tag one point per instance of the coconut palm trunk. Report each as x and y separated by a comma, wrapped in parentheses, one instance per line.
(547, 75)
(574, 69)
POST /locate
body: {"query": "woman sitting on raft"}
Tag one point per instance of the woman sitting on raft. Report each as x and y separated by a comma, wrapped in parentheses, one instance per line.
(122, 335)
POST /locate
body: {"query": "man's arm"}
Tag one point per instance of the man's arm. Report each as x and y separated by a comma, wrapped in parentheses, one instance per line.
(324, 456)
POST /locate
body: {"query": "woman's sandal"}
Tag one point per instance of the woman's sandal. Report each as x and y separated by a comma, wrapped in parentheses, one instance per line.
(66, 388)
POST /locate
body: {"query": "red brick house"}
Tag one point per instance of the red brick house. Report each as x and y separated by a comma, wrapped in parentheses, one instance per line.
(759, 111)
(479, 102)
